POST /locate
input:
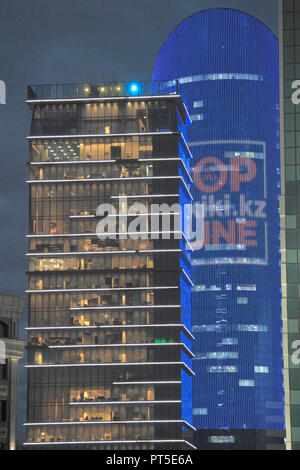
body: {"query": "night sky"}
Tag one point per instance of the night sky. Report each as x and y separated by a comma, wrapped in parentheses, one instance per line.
(67, 41)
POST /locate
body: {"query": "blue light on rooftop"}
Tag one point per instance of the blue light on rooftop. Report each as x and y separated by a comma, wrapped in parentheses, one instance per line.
(133, 88)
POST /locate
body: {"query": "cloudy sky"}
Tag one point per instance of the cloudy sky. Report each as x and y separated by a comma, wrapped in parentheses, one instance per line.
(61, 41)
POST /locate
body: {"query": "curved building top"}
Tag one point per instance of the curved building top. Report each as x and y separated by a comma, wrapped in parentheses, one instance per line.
(234, 50)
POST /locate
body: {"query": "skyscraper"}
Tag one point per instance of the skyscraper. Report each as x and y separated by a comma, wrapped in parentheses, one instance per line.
(109, 348)
(227, 64)
(289, 42)
(11, 351)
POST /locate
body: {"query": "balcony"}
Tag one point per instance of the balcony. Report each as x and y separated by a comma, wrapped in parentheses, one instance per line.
(70, 92)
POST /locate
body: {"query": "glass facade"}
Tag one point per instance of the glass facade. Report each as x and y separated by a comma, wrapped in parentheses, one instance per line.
(289, 15)
(227, 64)
(109, 335)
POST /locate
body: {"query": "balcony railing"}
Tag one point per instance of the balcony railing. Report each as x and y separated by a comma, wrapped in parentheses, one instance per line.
(102, 90)
(108, 90)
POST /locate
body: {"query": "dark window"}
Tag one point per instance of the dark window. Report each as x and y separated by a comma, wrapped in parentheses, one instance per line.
(3, 371)
(3, 330)
(115, 151)
(3, 410)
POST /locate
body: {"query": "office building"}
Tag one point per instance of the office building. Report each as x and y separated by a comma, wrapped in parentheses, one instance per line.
(289, 46)
(109, 345)
(227, 65)
(11, 351)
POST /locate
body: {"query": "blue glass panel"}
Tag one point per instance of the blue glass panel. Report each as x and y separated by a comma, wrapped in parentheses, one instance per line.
(228, 61)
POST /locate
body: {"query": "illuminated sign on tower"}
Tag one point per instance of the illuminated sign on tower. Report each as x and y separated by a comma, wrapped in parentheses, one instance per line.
(227, 65)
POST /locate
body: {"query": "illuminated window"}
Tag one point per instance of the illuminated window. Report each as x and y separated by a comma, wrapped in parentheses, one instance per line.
(229, 341)
(206, 328)
(246, 287)
(246, 383)
(198, 104)
(242, 300)
(203, 288)
(217, 355)
(199, 411)
(221, 439)
(258, 328)
(197, 117)
(261, 369)
(38, 358)
(215, 76)
(222, 369)
(233, 154)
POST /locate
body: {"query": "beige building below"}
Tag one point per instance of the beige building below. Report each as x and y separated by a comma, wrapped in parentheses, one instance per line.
(11, 351)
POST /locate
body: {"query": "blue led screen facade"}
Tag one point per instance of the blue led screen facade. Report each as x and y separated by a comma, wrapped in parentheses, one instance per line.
(228, 67)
